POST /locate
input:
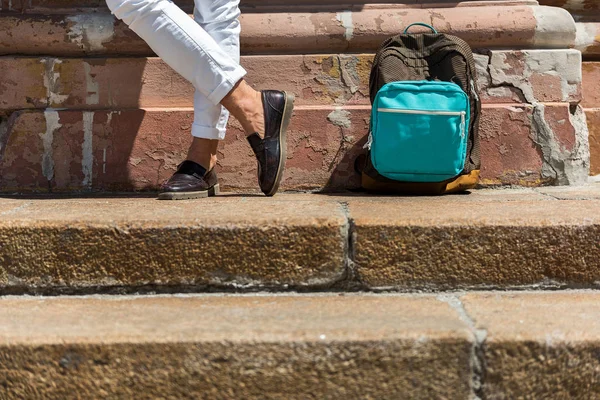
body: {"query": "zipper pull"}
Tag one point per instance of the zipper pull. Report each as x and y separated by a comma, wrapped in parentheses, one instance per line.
(473, 91)
(369, 142)
(463, 123)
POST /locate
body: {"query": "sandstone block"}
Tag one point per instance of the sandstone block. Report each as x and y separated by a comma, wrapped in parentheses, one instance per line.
(140, 149)
(216, 347)
(591, 84)
(593, 120)
(116, 83)
(544, 345)
(545, 76)
(321, 32)
(132, 242)
(464, 242)
(530, 76)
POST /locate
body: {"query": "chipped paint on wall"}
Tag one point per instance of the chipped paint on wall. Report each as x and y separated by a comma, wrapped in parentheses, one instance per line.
(340, 117)
(345, 17)
(549, 22)
(349, 74)
(587, 36)
(93, 90)
(521, 69)
(87, 158)
(563, 166)
(105, 126)
(52, 124)
(91, 31)
(52, 82)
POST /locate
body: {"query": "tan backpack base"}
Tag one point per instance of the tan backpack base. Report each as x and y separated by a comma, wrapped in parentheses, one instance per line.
(456, 185)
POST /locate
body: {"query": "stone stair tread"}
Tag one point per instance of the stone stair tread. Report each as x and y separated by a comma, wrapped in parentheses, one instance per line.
(495, 344)
(124, 150)
(33, 6)
(224, 318)
(490, 238)
(545, 76)
(301, 32)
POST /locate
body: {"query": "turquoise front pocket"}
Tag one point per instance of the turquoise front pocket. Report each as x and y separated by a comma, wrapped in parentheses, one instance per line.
(420, 131)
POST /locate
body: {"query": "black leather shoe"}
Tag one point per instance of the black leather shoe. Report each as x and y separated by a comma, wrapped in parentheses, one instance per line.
(191, 181)
(271, 151)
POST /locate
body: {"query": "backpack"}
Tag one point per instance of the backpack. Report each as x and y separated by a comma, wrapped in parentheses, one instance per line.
(424, 132)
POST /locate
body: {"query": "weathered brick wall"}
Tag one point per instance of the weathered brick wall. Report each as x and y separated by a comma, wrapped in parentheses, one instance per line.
(89, 107)
(587, 17)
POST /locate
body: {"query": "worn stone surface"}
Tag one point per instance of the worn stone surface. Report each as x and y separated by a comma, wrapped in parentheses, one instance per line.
(95, 83)
(574, 5)
(563, 139)
(591, 84)
(492, 344)
(593, 118)
(140, 149)
(114, 83)
(586, 192)
(34, 6)
(499, 238)
(131, 242)
(588, 38)
(355, 31)
(539, 345)
(509, 153)
(233, 347)
(530, 76)
(450, 243)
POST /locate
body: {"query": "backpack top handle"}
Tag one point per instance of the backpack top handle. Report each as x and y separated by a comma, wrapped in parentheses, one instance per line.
(420, 24)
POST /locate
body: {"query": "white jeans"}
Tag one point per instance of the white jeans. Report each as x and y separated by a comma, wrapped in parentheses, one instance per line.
(205, 50)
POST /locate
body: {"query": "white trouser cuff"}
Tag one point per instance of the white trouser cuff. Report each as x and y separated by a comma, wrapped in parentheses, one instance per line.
(206, 132)
(227, 85)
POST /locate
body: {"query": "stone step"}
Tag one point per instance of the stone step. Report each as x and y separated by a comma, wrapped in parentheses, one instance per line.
(457, 346)
(361, 29)
(542, 238)
(54, 6)
(591, 87)
(591, 104)
(588, 39)
(593, 122)
(584, 10)
(504, 76)
(587, 16)
(125, 150)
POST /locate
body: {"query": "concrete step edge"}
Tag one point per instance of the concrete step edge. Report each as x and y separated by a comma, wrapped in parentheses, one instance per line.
(58, 6)
(346, 31)
(138, 149)
(307, 242)
(504, 76)
(454, 346)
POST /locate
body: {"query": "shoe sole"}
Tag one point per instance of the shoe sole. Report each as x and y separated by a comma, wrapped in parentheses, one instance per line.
(213, 191)
(285, 121)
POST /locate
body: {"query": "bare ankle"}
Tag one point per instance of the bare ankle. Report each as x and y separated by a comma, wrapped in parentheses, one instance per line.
(245, 104)
(203, 152)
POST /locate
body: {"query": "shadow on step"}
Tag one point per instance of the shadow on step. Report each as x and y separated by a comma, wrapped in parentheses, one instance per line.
(345, 179)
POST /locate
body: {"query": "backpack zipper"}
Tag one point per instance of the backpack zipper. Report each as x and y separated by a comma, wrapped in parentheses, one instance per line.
(473, 91)
(462, 114)
(369, 141)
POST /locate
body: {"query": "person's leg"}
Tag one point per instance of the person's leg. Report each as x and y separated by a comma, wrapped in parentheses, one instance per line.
(194, 54)
(182, 44)
(220, 19)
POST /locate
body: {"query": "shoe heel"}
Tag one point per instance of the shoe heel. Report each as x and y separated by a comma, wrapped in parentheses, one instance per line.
(214, 191)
